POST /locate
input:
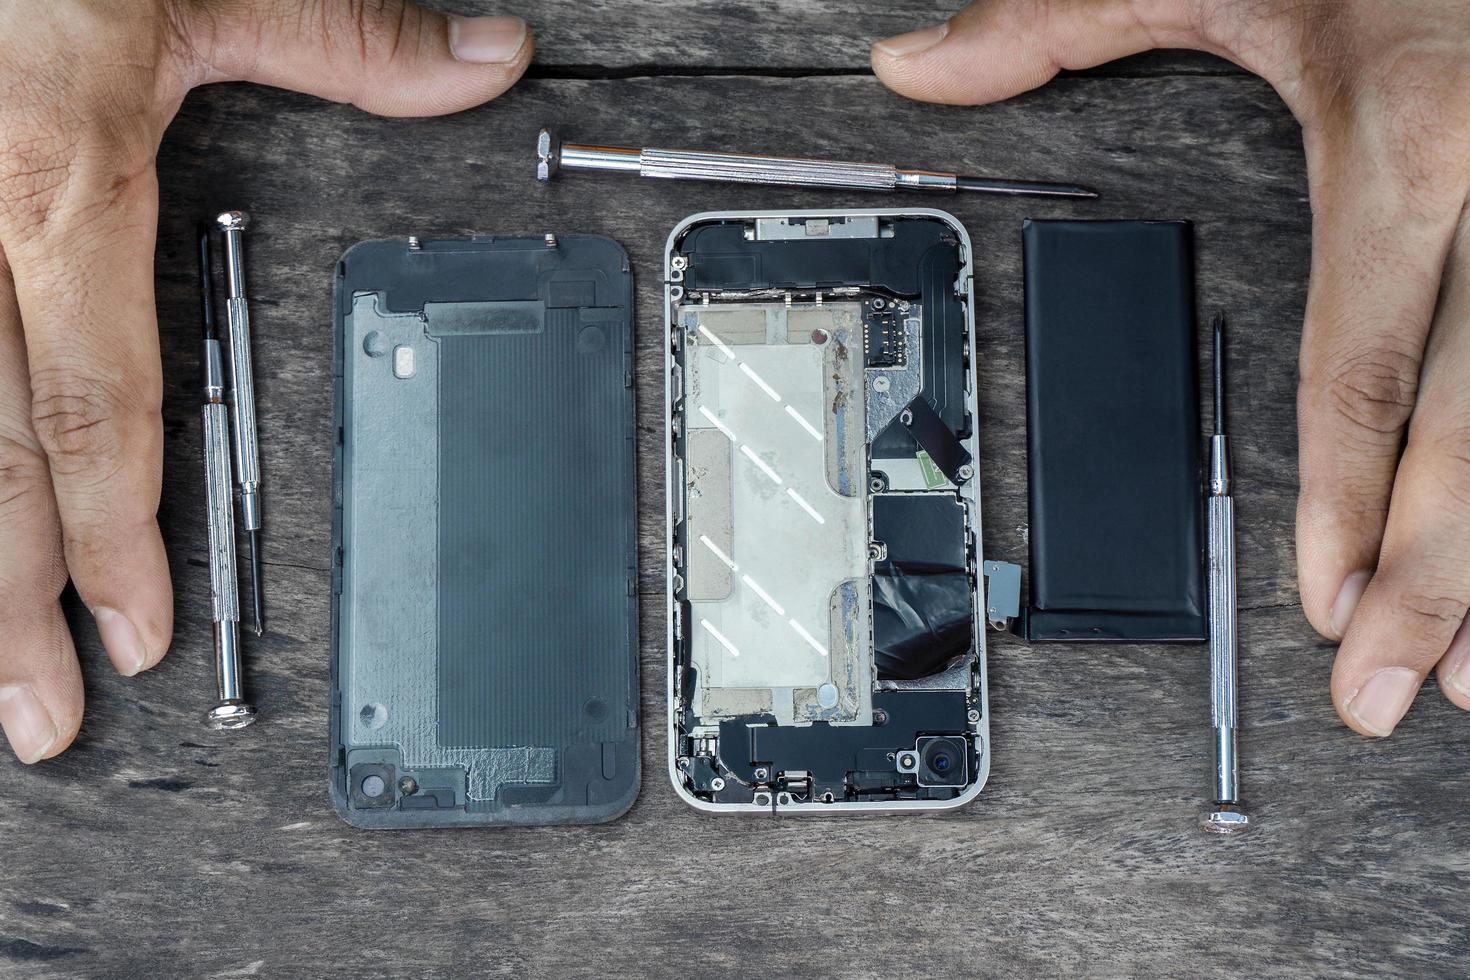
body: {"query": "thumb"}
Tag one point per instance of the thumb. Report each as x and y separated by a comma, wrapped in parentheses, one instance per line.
(389, 57)
(994, 49)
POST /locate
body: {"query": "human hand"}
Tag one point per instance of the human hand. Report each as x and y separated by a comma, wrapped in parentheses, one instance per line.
(1382, 91)
(87, 88)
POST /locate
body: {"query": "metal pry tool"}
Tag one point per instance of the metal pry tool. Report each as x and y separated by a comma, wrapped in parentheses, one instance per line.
(552, 156)
(242, 398)
(232, 711)
(1224, 816)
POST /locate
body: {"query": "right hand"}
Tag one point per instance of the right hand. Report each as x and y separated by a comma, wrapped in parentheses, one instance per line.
(87, 88)
(1382, 90)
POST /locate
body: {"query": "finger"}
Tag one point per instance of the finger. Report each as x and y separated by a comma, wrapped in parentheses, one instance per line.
(40, 684)
(1446, 368)
(994, 49)
(83, 274)
(1378, 253)
(390, 57)
(1415, 605)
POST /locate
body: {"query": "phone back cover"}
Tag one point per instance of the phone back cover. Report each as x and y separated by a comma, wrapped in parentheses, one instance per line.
(1116, 492)
(484, 598)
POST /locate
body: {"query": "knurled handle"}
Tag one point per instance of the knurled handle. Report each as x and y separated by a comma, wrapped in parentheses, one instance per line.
(224, 589)
(750, 168)
(1221, 520)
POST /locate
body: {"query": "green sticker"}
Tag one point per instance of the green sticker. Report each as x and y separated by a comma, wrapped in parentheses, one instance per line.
(933, 477)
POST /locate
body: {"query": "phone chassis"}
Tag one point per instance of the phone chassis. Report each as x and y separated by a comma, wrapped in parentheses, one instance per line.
(845, 719)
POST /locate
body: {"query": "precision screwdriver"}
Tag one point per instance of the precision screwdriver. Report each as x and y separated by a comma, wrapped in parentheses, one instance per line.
(224, 593)
(1224, 816)
(552, 155)
(242, 398)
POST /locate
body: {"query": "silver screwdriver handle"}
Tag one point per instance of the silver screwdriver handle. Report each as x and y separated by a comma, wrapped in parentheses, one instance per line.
(738, 168)
(1223, 648)
(232, 711)
(224, 590)
(242, 375)
(754, 169)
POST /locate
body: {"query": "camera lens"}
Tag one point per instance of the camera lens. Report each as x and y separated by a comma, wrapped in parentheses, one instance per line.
(941, 761)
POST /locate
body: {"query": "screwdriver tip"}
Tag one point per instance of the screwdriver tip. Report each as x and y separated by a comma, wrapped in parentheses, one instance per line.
(259, 605)
(1024, 188)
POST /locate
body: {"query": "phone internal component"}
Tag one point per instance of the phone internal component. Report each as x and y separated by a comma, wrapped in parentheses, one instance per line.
(824, 602)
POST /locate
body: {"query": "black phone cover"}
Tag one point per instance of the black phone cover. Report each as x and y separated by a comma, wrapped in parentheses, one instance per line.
(1113, 433)
(484, 599)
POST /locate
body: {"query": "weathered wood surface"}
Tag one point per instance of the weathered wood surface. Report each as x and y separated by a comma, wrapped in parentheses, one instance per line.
(157, 848)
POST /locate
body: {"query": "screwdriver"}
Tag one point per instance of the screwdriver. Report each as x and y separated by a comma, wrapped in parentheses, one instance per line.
(552, 155)
(1224, 816)
(224, 593)
(242, 398)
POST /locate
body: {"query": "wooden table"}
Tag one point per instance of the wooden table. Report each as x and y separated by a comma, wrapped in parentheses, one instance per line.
(155, 847)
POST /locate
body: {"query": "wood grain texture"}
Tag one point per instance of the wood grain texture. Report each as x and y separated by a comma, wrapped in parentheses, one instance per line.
(657, 37)
(155, 847)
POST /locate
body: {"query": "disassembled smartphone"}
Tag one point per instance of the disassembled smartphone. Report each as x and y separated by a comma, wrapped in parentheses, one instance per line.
(484, 601)
(826, 621)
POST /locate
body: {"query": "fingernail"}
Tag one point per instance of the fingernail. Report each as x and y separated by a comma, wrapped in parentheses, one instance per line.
(486, 40)
(1457, 660)
(914, 41)
(1347, 601)
(27, 723)
(1379, 704)
(121, 638)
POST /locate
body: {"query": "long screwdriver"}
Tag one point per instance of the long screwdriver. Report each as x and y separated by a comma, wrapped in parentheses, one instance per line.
(242, 397)
(231, 711)
(1224, 815)
(552, 155)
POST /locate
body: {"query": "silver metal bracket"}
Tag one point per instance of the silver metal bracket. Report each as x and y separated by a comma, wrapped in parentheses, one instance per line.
(1002, 593)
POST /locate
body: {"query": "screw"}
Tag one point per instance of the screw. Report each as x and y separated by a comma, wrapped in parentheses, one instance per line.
(717, 784)
(550, 240)
(966, 471)
(414, 244)
(679, 262)
(761, 773)
(973, 715)
(408, 786)
(881, 383)
(906, 417)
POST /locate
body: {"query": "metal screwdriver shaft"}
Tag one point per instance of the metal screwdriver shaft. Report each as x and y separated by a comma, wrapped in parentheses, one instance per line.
(552, 155)
(1224, 816)
(242, 398)
(231, 711)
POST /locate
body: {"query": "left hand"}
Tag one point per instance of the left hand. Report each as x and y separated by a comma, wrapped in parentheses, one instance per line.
(87, 88)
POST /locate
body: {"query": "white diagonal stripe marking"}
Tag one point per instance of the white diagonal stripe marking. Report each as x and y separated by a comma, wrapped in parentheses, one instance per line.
(764, 466)
(812, 429)
(723, 640)
(812, 640)
(750, 373)
(766, 596)
(801, 501)
(715, 421)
